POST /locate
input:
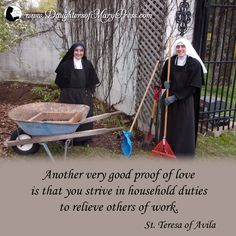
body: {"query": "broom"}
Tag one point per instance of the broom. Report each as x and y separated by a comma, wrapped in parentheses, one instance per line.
(163, 149)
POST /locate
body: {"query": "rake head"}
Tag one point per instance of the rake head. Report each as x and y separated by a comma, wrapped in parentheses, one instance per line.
(164, 150)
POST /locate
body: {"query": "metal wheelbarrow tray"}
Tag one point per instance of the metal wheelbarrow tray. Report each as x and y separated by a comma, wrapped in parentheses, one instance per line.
(43, 122)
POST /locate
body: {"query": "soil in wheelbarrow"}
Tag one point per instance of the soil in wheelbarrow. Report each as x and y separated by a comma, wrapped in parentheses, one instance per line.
(14, 94)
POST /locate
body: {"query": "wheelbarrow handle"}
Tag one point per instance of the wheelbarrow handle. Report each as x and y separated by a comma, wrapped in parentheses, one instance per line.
(99, 117)
(43, 139)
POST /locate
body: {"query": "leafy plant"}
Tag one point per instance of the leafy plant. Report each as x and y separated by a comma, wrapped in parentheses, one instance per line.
(12, 33)
(46, 93)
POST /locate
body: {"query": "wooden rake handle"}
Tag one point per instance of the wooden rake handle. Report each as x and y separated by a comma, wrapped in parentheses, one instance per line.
(148, 86)
(167, 91)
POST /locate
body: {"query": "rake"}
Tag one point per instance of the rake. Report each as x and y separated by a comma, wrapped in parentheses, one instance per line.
(163, 149)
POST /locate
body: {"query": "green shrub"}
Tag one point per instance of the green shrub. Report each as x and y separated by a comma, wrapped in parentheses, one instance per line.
(46, 93)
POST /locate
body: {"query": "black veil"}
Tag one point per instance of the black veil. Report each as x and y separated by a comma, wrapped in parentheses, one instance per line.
(70, 54)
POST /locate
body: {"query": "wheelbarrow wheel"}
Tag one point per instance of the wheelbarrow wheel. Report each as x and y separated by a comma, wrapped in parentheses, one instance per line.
(25, 149)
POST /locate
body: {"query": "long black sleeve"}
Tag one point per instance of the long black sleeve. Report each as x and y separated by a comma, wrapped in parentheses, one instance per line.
(63, 74)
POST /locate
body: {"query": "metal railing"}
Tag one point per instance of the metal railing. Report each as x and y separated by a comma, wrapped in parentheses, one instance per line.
(218, 95)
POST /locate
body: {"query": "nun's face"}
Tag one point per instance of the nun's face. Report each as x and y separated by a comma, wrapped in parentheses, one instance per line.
(79, 53)
(181, 50)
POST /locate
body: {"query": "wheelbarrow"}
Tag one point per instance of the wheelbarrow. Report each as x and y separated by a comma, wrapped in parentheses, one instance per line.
(41, 122)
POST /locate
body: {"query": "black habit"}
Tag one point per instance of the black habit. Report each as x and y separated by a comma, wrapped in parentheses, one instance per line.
(77, 85)
(185, 84)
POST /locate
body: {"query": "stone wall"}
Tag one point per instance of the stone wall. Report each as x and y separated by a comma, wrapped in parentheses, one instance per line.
(34, 59)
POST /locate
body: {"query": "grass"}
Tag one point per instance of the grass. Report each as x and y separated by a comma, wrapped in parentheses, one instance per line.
(75, 152)
(223, 146)
(208, 147)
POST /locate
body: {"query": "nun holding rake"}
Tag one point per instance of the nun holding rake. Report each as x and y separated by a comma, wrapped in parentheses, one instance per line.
(186, 79)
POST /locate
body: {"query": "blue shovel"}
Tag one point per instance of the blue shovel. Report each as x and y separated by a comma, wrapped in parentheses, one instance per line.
(126, 144)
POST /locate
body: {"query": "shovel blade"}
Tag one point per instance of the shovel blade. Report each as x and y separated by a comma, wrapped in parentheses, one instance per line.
(126, 144)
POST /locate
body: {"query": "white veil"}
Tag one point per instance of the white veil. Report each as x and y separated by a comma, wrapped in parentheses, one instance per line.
(190, 51)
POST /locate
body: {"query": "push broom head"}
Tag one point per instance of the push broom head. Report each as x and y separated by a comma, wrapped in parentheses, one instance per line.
(163, 150)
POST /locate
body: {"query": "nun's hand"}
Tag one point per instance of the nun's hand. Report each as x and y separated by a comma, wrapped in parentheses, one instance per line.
(167, 84)
(169, 100)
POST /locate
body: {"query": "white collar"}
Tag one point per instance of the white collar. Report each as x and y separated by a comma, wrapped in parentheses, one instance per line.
(77, 64)
(180, 61)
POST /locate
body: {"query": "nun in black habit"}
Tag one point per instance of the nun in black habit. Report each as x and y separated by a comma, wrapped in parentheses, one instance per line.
(77, 80)
(186, 79)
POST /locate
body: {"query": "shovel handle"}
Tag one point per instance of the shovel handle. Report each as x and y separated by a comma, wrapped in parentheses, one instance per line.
(154, 106)
(140, 106)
